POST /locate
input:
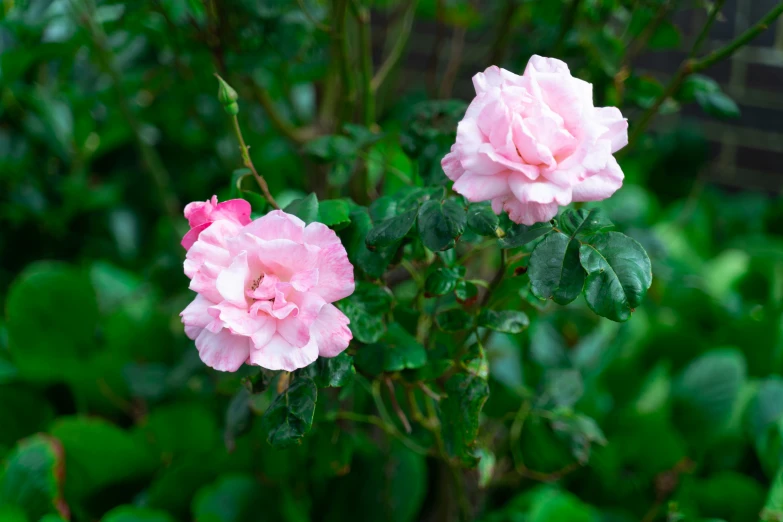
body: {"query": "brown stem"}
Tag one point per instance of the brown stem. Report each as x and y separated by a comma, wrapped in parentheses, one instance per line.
(396, 406)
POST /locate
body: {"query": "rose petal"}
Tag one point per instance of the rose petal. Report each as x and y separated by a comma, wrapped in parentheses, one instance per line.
(600, 185)
(277, 225)
(529, 213)
(481, 188)
(232, 282)
(222, 351)
(279, 354)
(616, 125)
(330, 331)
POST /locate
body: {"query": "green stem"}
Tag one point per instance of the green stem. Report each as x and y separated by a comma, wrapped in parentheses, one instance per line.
(243, 149)
(342, 56)
(743, 39)
(690, 66)
(278, 121)
(399, 47)
(309, 16)
(363, 15)
(705, 31)
(493, 285)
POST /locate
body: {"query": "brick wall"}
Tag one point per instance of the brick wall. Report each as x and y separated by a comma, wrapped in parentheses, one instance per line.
(747, 152)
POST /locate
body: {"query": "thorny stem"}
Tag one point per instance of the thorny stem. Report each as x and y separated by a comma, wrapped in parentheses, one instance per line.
(690, 66)
(243, 149)
(705, 31)
(399, 47)
(729, 49)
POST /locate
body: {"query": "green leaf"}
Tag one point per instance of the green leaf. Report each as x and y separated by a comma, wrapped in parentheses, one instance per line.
(330, 148)
(466, 292)
(398, 350)
(482, 220)
(33, 477)
(334, 213)
(136, 514)
(708, 388)
(454, 320)
(366, 308)
(290, 416)
(718, 104)
(372, 262)
(554, 269)
(23, 412)
(584, 222)
(331, 372)
(666, 36)
(385, 207)
(440, 224)
(99, 454)
(441, 282)
(518, 235)
(486, 467)
(460, 411)
(305, 208)
(179, 428)
(564, 387)
(696, 83)
(618, 275)
(237, 417)
(63, 298)
(581, 431)
(766, 407)
(231, 498)
(506, 321)
(391, 230)
(12, 513)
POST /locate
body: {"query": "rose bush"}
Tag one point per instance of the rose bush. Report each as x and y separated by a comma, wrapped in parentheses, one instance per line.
(495, 361)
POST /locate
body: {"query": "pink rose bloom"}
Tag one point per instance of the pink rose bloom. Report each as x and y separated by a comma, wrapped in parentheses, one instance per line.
(534, 142)
(201, 214)
(265, 292)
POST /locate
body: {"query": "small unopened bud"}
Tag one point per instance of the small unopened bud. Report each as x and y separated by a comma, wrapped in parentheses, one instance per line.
(500, 233)
(227, 96)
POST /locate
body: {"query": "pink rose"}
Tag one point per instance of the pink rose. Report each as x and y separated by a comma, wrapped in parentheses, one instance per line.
(201, 214)
(534, 142)
(265, 291)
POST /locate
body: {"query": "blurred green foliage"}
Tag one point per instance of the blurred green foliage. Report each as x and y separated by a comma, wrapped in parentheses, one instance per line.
(109, 123)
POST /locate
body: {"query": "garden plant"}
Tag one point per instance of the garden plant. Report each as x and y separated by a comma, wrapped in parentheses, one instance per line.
(432, 260)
